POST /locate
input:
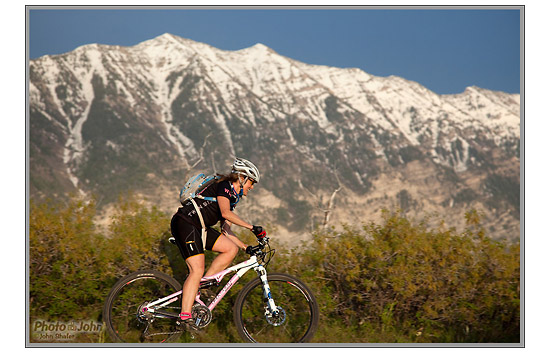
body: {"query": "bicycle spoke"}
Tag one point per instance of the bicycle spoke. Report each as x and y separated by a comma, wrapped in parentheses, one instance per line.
(294, 323)
(294, 318)
(128, 321)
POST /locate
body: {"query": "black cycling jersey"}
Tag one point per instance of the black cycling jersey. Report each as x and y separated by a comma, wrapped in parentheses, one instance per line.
(186, 226)
(210, 210)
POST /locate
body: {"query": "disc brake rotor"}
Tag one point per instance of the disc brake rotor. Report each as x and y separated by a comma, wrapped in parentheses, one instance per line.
(276, 319)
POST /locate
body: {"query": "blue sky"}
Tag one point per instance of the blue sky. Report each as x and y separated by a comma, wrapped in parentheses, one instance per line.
(445, 50)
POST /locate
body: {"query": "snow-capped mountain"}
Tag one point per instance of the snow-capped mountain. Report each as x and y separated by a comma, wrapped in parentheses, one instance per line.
(106, 119)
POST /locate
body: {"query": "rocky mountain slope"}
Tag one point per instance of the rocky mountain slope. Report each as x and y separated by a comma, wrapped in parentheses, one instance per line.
(108, 119)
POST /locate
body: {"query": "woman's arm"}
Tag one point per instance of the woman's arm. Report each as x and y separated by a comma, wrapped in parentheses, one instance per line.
(229, 215)
(226, 229)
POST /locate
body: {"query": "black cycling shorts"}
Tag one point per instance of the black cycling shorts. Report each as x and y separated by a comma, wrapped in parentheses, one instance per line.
(188, 237)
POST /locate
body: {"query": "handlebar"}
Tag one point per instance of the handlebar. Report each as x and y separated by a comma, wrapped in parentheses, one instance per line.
(258, 250)
(253, 250)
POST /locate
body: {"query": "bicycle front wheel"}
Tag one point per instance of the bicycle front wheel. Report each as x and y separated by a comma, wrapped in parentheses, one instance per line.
(124, 319)
(298, 311)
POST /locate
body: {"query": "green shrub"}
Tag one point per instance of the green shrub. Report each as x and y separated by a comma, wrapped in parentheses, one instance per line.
(430, 285)
(393, 281)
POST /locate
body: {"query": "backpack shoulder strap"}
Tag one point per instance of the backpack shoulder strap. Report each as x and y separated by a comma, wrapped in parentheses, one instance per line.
(209, 180)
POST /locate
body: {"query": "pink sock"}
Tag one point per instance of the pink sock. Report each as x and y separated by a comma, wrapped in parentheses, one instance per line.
(185, 316)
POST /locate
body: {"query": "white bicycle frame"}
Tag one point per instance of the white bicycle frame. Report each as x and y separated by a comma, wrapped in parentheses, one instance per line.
(240, 270)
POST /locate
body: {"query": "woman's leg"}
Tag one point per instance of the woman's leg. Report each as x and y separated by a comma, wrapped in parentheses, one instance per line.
(190, 245)
(227, 249)
(191, 284)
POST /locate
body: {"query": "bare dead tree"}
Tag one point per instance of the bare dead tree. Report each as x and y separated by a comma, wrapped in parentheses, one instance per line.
(325, 210)
(329, 205)
(213, 162)
(201, 152)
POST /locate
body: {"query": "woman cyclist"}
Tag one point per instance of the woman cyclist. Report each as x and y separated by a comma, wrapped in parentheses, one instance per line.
(187, 227)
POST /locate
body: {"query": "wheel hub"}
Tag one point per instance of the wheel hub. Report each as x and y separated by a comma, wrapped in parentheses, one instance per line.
(143, 314)
(276, 319)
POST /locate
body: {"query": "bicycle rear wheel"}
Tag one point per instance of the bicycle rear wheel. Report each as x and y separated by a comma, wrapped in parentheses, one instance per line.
(299, 312)
(124, 320)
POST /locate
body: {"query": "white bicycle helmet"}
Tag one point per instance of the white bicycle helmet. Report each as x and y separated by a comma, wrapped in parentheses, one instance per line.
(247, 168)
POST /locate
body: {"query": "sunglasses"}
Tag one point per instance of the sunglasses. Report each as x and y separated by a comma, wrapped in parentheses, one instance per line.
(252, 182)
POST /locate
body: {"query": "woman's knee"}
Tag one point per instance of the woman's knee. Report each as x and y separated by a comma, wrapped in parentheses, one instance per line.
(225, 246)
(234, 250)
(195, 264)
(194, 272)
(230, 248)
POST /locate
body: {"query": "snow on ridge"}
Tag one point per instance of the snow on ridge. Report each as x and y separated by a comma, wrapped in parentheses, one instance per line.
(353, 86)
(170, 53)
(74, 147)
(258, 64)
(272, 77)
(167, 52)
(387, 101)
(182, 143)
(397, 96)
(498, 111)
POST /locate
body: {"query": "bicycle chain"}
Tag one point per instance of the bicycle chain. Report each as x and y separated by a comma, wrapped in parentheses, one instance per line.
(193, 335)
(163, 333)
(147, 335)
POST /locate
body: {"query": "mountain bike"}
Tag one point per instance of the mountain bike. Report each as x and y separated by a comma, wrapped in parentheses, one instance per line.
(272, 308)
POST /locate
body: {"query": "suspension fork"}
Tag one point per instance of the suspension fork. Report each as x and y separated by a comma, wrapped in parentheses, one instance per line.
(271, 307)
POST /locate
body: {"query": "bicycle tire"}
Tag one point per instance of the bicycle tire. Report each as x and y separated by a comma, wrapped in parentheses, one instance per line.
(120, 312)
(293, 296)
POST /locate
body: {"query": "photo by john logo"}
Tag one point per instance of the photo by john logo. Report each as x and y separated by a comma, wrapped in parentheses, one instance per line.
(58, 330)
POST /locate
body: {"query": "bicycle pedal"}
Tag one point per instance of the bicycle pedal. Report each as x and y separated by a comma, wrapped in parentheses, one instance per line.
(187, 325)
